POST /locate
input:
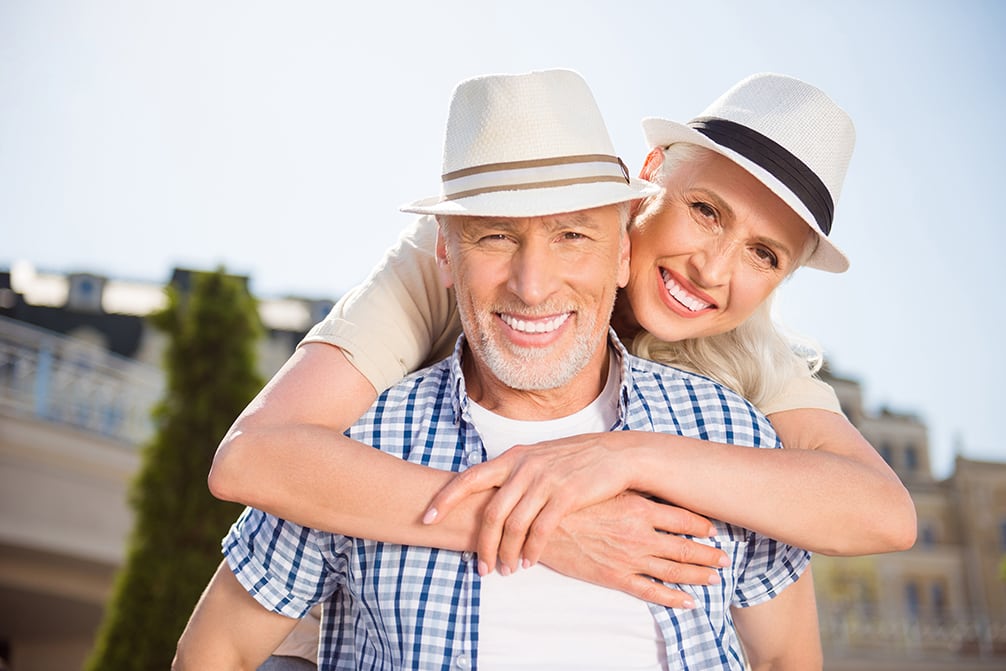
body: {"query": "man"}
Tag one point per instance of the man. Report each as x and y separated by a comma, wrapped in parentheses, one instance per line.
(533, 239)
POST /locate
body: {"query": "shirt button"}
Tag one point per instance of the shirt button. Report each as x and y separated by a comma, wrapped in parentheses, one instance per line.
(467, 556)
(462, 662)
(474, 456)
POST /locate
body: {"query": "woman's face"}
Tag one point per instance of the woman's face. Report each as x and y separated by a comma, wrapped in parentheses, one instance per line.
(709, 249)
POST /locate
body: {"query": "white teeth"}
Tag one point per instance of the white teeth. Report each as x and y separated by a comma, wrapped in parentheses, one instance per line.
(539, 326)
(680, 295)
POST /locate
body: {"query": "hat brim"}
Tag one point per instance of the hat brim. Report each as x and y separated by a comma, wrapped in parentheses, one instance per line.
(536, 202)
(663, 132)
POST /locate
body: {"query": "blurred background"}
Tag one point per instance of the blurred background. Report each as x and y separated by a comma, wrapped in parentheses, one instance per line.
(142, 140)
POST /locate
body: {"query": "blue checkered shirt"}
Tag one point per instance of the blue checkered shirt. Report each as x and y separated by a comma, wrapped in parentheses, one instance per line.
(392, 607)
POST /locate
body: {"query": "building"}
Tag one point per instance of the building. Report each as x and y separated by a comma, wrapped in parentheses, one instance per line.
(944, 599)
(79, 373)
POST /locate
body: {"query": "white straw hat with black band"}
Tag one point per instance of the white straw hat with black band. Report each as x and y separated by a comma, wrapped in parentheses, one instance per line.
(790, 135)
(528, 145)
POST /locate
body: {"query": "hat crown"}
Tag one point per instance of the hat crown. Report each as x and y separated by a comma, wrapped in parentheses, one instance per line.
(797, 116)
(528, 145)
(522, 117)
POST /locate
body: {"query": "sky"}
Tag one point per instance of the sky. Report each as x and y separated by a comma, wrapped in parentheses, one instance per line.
(278, 139)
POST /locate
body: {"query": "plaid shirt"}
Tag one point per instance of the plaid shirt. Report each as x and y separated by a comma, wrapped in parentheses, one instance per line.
(402, 607)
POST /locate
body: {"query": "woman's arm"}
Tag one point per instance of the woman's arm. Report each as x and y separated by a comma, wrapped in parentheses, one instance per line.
(286, 454)
(828, 492)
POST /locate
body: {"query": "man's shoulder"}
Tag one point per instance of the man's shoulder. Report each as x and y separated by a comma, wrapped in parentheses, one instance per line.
(644, 370)
(694, 404)
(411, 399)
(432, 377)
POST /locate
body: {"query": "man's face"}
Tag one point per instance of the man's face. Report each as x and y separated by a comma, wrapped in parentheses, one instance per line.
(535, 294)
(709, 249)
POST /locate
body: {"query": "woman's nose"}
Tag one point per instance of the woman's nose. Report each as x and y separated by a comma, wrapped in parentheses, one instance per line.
(713, 264)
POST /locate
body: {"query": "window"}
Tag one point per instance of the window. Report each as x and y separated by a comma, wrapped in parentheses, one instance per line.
(927, 535)
(911, 458)
(912, 600)
(938, 596)
(886, 452)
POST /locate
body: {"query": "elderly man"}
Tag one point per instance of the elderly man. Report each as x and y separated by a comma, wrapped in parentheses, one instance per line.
(533, 239)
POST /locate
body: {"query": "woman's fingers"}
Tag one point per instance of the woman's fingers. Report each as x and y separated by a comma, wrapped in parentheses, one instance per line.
(476, 479)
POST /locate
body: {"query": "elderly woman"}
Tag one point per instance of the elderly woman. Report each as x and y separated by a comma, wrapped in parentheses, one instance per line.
(748, 197)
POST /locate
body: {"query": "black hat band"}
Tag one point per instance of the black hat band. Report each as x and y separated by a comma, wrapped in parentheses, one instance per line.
(777, 160)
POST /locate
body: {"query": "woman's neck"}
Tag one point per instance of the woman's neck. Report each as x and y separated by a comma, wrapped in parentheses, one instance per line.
(623, 320)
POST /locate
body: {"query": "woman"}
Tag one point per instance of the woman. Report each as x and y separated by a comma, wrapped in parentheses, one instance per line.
(707, 253)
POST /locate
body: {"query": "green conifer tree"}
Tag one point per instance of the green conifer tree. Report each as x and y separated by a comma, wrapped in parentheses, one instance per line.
(210, 375)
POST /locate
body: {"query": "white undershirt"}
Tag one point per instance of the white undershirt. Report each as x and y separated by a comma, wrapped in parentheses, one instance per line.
(539, 619)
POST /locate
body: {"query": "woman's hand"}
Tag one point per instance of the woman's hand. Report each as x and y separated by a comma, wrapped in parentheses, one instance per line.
(621, 544)
(540, 484)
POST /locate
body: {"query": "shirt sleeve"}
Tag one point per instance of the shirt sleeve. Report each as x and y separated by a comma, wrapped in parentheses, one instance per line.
(771, 567)
(803, 392)
(401, 318)
(281, 564)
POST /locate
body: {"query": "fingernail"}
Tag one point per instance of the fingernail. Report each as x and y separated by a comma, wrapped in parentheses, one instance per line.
(714, 579)
(724, 561)
(483, 568)
(505, 570)
(430, 515)
(688, 603)
(711, 532)
(526, 563)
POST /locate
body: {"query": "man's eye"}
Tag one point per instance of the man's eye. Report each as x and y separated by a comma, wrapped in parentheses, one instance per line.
(573, 235)
(493, 237)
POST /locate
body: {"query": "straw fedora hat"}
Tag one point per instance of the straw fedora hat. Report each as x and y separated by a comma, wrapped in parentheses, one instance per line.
(790, 135)
(527, 145)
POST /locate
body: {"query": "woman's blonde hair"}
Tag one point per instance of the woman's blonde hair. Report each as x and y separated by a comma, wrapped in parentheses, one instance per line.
(755, 359)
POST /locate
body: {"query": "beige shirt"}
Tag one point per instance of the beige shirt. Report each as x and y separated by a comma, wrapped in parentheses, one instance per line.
(403, 318)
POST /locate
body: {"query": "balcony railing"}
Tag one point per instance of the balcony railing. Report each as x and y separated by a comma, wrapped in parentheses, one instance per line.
(927, 637)
(73, 382)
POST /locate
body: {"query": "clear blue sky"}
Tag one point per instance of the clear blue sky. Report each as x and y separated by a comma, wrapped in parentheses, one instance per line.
(279, 139)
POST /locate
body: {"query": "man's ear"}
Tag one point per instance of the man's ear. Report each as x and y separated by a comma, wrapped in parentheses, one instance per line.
(623, 261)
(443, 260)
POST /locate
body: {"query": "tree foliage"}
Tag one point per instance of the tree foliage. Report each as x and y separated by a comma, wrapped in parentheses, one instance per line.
(210, 376)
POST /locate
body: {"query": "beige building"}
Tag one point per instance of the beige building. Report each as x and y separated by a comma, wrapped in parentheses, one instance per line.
(943, 601)
(78, 376)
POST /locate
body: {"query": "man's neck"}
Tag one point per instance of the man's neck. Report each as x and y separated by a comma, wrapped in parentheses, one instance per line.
(488, 391)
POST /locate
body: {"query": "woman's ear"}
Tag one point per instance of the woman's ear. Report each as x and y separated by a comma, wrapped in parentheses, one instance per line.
(651, 166)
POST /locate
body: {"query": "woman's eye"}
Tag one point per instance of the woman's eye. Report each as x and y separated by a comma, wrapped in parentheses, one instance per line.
(704, 210)
(767, 257)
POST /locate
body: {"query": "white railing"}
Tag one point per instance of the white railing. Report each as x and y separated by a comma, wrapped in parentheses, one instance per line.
(922, 638)
(73, 382)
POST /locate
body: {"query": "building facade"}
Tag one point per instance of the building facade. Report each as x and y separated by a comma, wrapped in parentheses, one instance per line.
(946, 597)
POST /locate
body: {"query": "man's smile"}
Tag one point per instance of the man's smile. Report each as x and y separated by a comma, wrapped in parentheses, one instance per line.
(538, 325)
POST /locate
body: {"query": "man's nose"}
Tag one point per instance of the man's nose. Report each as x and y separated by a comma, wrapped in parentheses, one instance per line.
(533, 272)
